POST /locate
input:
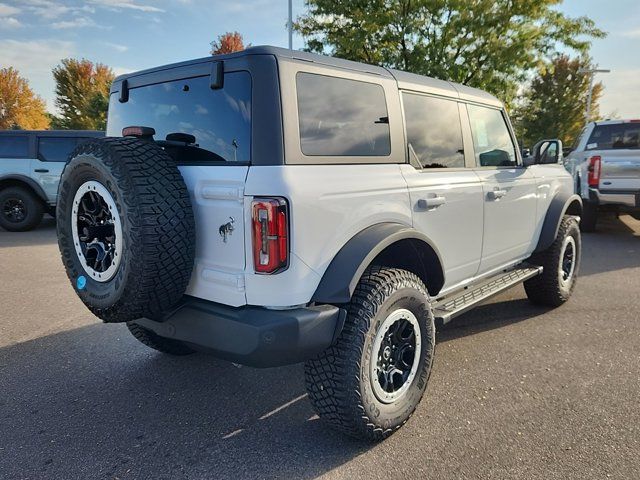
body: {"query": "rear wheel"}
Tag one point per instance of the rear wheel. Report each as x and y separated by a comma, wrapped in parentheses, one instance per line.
(561, 264)
(20, 210)
(371, 380)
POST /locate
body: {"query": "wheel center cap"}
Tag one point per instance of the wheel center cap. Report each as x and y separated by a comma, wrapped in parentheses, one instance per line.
(386, 354)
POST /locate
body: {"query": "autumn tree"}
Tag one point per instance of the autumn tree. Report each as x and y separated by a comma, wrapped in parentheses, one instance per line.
(19, 106)
(227, 43)
(489, 44)
(553, 103)
(82, 94)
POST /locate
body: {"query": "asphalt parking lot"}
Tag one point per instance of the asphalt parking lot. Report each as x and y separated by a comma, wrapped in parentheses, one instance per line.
(516, 392)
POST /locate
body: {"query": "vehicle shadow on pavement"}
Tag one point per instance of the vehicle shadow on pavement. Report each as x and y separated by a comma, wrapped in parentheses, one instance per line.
(43, 234)
(489, 317)
(93, 403)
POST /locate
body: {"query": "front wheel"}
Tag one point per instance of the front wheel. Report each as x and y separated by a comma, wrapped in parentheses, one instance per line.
(561, 264)
(371, 380)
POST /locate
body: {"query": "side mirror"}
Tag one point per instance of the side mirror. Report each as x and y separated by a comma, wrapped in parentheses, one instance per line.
(547, 152)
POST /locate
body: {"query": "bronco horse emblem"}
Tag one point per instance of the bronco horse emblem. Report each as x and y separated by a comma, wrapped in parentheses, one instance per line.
(226, 229)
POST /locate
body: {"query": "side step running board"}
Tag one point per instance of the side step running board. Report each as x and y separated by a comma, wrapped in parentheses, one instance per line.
(449, 307)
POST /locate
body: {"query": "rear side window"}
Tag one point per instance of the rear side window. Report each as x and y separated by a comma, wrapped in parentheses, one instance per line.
(616, 136)
(341, 117)
(56, 149)
(14, 146)
(433, 130)
(491, 139)
(220, 119)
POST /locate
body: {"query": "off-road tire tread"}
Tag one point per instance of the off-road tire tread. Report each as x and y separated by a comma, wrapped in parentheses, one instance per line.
(161, 226)
(334, 394)
(161, 344)
(545, 289)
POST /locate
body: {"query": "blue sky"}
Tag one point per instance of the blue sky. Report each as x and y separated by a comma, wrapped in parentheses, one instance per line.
(130, 35)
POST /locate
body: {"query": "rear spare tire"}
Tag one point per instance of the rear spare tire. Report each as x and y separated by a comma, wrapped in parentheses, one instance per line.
(125, 228)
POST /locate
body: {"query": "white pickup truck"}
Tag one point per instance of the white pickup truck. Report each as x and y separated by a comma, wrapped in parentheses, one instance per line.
(605, 165)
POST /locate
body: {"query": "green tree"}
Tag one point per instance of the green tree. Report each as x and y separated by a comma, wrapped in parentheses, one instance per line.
(553, 104)
(82, 94)
(20, 108)
(489, 44)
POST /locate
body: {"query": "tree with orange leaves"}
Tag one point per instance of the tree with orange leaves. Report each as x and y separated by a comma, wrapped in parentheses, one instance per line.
(82, 94)
(227, 43)
(19, 106)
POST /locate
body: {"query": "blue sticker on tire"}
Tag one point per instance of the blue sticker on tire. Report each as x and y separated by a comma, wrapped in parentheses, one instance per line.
(81, 282)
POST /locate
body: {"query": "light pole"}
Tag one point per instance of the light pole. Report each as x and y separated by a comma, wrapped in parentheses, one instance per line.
(290, 25)
(592, 73)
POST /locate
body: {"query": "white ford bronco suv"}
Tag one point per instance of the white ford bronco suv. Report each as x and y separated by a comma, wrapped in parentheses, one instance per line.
(31, 162)
(605, 165)
(274, 207)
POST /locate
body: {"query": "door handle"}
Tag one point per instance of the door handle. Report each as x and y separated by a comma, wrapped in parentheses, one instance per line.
(496, 194)
(431, 202)
(41, 170)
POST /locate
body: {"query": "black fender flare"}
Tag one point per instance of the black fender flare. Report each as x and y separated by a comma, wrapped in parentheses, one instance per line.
(345, 270)
(565, 202)
(31, 183)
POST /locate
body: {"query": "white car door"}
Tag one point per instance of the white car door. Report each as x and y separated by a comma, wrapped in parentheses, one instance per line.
(509, 190)
(52, 155)
(446, 195)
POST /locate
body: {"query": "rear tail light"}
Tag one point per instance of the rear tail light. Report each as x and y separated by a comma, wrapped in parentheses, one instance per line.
(594, 170)
(270, 222)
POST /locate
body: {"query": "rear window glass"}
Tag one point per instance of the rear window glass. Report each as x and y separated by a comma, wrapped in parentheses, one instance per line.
(341, 117)
(220, 120)
(14, 146)
(433, 131)
(56, 149)
(615, 136)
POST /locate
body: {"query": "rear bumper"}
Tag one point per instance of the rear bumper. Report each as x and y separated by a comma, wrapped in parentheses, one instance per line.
(627, 199)
(253, 336)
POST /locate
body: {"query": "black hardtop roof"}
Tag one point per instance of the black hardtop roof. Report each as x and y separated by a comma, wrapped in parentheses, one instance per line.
(55, 133)
(404, 79)
(279, 52)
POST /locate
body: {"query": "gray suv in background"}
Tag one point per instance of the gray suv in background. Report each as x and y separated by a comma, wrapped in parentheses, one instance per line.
(31, 163)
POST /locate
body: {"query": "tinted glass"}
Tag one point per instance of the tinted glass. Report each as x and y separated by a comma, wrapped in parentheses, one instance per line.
(14, 146)
(219, 119)
(491, 138)
(340, 117)
(55, 149)
(611, 137)
(433, 130)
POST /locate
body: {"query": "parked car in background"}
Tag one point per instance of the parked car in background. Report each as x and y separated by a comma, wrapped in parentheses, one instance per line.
(605, 165)
(31, 163)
